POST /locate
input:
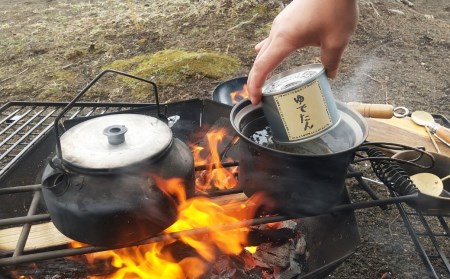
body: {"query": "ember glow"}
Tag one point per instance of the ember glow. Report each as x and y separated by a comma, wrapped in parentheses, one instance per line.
(214, 175)
(251, 249)
(161, 260)
(239, 95)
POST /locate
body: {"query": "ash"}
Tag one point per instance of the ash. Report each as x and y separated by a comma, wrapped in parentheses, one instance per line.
(282, 254)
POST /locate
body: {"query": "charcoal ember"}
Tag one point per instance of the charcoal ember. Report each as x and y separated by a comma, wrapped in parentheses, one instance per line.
(300, 246)
(280, 236)
(249, 261)
(278, 233)
(232, 267)
(238, 267)
(269, 255)
(288, 224)
(75, 267)
(284, 253)
(179, 250)
(292, 271)
(296, 266)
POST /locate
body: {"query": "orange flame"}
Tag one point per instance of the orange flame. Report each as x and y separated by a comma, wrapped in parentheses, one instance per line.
(153, 261)
(214, 175)
(251, 249)
(239, 95)
(156, 260)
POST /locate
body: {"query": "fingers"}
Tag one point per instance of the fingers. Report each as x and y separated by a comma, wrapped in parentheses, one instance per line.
(268, 58)
(331, 58)
(259, 46)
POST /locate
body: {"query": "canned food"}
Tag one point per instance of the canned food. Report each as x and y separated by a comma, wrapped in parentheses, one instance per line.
(299, 104)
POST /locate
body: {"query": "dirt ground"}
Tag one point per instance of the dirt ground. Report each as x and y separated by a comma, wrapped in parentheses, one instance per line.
(50, 49)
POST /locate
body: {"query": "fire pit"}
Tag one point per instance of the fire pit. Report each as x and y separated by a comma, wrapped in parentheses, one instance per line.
(29, 144)
(191, 121)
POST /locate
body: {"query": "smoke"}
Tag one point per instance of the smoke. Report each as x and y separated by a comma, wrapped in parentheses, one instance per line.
(354, 85)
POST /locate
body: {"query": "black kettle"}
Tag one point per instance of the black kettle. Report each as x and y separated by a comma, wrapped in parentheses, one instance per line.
(104, 185)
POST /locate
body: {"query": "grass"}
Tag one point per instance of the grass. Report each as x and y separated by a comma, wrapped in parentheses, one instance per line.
(63, 44)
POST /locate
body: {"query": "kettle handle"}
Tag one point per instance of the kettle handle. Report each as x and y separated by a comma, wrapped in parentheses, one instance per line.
(82, 92)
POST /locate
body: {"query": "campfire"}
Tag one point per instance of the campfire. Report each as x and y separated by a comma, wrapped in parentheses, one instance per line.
(214, 176)
(215, 252)
(219, 231)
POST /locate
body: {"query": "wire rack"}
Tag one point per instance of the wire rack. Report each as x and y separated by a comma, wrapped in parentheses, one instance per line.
(24, 124)
(430, 233)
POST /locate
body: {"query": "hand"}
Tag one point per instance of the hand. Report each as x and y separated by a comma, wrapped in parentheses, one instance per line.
(327, 24)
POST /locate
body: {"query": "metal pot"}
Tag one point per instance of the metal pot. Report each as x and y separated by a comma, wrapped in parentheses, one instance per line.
(299, 183)
(103, 187)
(222, 92)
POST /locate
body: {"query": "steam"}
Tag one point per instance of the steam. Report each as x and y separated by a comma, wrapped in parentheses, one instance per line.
(355, 87)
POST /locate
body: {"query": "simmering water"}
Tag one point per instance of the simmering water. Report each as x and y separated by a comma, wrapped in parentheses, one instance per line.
(341, 138)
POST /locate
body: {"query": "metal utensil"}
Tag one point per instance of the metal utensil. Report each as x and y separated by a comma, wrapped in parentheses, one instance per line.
(428, 183)
(433, 204)
(426, 120)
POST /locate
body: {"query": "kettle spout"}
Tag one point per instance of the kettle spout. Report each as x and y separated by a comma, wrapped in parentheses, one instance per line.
(55, 180)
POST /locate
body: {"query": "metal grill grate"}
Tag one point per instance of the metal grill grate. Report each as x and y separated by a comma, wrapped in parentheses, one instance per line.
(431, 236)
(24, 124)
(430, 233)
(41, 143)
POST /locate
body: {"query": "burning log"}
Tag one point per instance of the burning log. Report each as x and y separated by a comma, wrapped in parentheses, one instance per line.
(218, 140)
(210, 153)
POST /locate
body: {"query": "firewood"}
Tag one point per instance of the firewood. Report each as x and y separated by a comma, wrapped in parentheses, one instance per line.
(41, 236)
(46, 235)
(227, 141)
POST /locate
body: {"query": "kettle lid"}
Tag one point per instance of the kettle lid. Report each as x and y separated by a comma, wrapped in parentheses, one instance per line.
(115, 141)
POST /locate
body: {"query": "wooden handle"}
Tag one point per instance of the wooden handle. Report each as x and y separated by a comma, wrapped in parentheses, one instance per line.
(443, 133)
(373, 110)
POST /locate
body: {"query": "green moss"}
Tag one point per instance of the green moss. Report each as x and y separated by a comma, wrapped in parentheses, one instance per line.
(170, 66)
(64, 76)
(266, 10)
(264, 31)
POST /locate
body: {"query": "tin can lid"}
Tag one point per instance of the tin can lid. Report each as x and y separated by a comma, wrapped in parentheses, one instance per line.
(291, 79)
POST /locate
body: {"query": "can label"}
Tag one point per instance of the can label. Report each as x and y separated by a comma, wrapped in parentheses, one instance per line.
(304, 111)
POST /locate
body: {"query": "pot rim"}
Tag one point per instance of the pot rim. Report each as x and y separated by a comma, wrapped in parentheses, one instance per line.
(246, 103)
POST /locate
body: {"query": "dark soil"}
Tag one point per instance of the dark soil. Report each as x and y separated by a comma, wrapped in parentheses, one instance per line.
(399, 55)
